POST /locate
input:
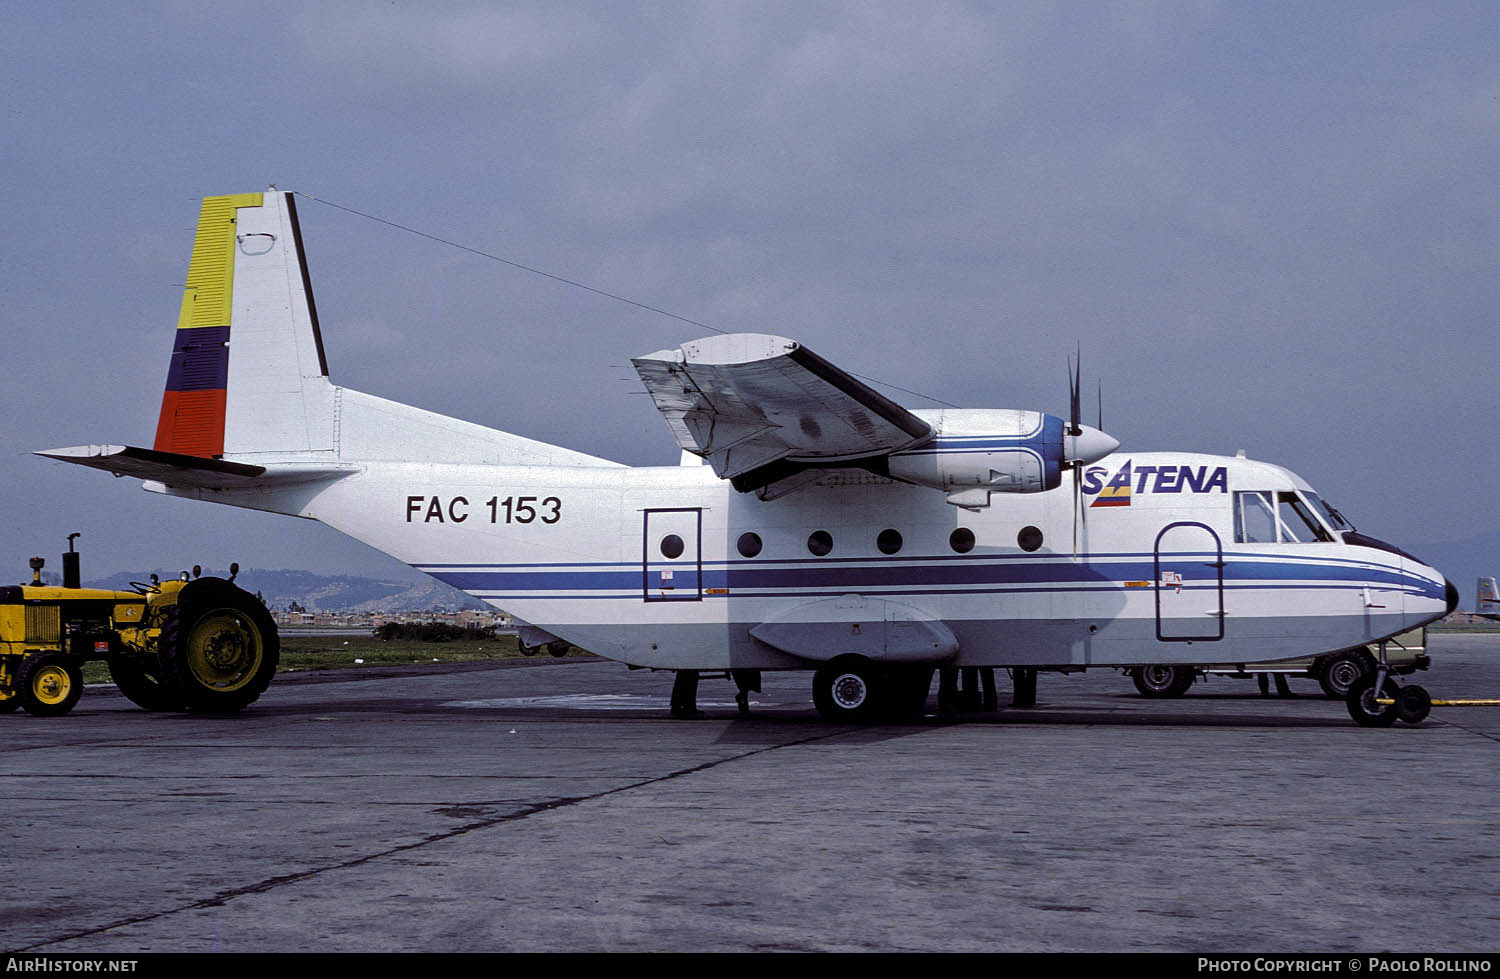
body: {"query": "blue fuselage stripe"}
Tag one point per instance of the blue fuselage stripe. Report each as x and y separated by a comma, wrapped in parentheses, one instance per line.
(743, 578)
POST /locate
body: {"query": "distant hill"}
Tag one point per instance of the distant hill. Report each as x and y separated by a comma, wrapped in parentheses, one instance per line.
(325, 593)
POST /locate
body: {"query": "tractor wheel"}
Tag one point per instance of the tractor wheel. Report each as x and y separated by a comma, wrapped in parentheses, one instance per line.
(9, 701)
(1160, 682)
(140, 686)
(50, 684)
(1337, 674)
(219, 647)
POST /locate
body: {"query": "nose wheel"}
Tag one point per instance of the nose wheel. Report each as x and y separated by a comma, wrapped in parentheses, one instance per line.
(1409, 704)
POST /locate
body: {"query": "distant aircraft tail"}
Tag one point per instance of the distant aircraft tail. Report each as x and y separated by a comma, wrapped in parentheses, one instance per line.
(1489, 599)
(248, 398)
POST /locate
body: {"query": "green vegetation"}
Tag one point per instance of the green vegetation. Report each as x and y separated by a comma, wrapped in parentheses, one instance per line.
(340, 652)
(336, 652)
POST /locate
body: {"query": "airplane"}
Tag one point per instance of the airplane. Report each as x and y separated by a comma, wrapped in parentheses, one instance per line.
(814, 524)
(1488, 604)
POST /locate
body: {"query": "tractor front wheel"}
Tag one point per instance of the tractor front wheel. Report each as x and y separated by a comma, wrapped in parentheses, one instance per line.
(140, 682)
(50, 683)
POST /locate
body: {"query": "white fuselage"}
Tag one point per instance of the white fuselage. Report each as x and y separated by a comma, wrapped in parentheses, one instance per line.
(584, 554)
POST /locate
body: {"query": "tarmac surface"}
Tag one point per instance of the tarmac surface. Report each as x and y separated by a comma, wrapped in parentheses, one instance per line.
(554, 806)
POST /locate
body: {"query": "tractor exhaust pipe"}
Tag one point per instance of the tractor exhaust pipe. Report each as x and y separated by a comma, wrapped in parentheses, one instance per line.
(71, 576)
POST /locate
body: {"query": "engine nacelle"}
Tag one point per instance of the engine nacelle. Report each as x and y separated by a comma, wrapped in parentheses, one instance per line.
(986, 451)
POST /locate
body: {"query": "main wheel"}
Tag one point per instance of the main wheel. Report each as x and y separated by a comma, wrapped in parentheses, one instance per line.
(847, 690)
(1338, 673)
(1363, 708)
(50, 684)
(1158, 682)
(909, 687)
(219, 647)
(140, 683)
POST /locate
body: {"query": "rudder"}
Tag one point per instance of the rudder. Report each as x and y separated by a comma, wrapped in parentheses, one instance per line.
(248, 374)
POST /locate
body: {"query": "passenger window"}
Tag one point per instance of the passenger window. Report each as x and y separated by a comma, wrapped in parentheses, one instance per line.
(1254, 520)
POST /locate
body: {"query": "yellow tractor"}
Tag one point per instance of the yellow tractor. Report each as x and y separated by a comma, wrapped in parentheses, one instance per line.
(201, 644)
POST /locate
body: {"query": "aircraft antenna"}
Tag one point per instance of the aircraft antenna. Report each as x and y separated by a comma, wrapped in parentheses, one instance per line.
(647, 307)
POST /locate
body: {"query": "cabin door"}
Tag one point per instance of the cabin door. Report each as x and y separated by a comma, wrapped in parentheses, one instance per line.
(672, 555)
(1189, 584)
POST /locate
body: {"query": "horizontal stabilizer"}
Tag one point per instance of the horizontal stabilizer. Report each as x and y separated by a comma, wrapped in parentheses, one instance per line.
(176, 470)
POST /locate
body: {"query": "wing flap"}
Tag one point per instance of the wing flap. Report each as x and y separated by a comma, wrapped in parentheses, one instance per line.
(743, 401)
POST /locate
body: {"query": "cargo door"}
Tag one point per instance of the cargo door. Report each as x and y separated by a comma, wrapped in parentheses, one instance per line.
(672, 555)
(1189, 584)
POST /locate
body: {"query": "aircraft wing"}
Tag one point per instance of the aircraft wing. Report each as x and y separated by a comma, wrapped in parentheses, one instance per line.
(758, 408)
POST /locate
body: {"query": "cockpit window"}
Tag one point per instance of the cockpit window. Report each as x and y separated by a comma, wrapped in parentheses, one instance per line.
(1254, 519)
(1335, 519)
(1267, 517)
(1297, 521)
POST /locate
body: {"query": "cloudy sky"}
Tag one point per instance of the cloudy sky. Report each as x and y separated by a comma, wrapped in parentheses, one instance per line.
(1271, 226)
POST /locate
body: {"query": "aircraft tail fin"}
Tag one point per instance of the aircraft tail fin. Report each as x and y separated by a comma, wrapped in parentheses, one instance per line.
(247, 385)
(1489, 598)
(247, 292)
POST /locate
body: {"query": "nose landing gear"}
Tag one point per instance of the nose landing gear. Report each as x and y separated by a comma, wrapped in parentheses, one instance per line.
(1377, 700)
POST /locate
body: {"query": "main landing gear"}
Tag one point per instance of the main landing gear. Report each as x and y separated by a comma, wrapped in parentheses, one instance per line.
(855, 690)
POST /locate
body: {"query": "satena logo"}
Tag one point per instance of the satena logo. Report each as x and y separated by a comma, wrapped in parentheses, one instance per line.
(1116, 490)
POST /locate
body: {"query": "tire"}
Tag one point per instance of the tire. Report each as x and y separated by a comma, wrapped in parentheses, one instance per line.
(219, 648)
(9, 702)
(50, 684)
(909, 687)
(1337, 674)
(848, 690)
(1161, 682)
(140, 686)
(1413, 704)
(1362, 706)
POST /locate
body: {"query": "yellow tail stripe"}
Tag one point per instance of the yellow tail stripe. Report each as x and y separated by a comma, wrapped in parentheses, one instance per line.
(210, 282)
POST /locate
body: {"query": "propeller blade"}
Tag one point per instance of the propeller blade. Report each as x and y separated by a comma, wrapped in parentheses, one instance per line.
(1077, 509)
(1075, 393)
